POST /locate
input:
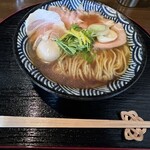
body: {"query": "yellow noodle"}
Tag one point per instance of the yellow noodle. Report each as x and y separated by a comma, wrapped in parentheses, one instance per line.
(107, 65)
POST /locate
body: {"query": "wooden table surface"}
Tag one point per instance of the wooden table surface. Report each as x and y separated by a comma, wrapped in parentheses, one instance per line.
(140, 14)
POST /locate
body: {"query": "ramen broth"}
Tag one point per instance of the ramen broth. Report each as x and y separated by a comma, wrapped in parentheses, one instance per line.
(57, 76)
(109, 52)
(47, 70)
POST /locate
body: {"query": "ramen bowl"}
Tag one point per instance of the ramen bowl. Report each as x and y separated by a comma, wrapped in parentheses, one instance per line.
(134, 40)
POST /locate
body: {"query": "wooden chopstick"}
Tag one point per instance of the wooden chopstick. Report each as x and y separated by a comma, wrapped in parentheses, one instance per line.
(41, 122)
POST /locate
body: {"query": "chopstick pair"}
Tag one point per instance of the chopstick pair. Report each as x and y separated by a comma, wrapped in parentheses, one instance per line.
(41, 122)
(38, 122)
(133, 124)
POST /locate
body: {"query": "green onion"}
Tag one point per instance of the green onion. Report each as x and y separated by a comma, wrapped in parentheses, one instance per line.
(77, 40)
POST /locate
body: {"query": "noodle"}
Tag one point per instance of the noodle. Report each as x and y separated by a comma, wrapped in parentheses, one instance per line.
(108, 64)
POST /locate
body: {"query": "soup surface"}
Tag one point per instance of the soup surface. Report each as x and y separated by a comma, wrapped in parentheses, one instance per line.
(77, 48)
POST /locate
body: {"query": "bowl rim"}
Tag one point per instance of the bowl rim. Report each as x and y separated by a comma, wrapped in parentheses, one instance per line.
(76, 97)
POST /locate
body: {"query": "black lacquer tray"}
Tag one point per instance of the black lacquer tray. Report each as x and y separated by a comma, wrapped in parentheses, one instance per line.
(20, 97)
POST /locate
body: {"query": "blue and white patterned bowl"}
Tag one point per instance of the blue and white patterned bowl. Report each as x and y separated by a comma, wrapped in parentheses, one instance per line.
(133, 72)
